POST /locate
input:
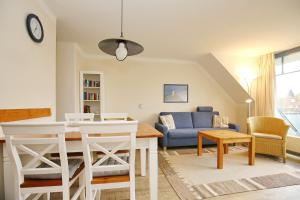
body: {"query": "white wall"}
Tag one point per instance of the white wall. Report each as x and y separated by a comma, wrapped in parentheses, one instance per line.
(27, 69)
(67, 79)
(27, 78)
(136, 86)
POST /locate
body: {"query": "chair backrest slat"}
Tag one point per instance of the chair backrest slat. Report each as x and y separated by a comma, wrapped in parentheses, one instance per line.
(114, 116)
(77, 117)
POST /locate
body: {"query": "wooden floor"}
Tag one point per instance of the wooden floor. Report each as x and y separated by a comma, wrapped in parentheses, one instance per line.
(166, 192)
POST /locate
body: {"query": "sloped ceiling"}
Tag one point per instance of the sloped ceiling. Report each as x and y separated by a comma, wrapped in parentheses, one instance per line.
(212, 65)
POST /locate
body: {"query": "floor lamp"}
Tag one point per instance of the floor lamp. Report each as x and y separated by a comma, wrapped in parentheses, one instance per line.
(249, 101)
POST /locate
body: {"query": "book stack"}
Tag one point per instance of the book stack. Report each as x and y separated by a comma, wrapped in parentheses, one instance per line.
(86, 109)
(90, 83)
(91, 96)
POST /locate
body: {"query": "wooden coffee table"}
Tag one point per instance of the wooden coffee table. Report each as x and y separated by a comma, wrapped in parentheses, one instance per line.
(225, 137)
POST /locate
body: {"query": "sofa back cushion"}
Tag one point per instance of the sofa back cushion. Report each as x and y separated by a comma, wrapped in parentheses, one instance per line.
(202, 119)
(181, 119)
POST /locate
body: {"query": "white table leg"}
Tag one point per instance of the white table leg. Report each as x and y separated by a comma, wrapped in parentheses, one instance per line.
(153, 168)
(9, 177)
(143, 161)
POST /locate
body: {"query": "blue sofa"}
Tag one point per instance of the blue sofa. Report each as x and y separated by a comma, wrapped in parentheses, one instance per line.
(187, 125)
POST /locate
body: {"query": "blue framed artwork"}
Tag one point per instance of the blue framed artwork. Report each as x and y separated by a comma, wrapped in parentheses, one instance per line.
(176, 93)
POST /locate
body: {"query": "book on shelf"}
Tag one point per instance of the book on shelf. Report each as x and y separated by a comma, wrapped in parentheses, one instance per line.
(90, 83)
(86, 109)
(91, 96)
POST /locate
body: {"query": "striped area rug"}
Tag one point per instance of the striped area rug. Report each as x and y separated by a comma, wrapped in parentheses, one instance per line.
(212, 189)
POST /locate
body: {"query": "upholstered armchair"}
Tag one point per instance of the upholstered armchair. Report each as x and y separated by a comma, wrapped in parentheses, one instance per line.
(270, 135)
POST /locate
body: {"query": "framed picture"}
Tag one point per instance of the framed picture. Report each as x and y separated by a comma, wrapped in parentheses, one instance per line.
(176, 93)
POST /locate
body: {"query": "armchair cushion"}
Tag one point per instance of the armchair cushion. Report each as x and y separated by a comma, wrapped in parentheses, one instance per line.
(266, 135)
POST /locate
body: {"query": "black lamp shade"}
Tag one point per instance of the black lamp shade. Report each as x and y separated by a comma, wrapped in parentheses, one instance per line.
(109, 46)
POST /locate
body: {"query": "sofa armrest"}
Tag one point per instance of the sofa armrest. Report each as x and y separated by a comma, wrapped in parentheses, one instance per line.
(164, 130)
(234, 126)
(161, 128)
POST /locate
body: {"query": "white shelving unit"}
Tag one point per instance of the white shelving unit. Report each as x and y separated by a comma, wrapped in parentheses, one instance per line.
(91, 92)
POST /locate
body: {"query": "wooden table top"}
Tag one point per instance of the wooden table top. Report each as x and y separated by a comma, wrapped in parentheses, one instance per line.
(144, 131)
(224, 134)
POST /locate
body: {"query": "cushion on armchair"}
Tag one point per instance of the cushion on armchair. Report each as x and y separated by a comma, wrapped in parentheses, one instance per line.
(267, 135)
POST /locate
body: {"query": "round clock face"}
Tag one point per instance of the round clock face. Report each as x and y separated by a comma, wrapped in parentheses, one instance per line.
(35, 28)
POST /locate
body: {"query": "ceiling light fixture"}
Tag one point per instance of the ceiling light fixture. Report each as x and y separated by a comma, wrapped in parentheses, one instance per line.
(120, 48)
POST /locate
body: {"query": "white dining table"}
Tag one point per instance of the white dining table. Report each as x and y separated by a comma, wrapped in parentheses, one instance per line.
(146, 140)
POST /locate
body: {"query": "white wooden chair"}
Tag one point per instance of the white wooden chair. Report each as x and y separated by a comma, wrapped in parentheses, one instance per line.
(40, 175)
(112, 170)
(124, 117)
(74, 118)
(77, 117)
(114, 116)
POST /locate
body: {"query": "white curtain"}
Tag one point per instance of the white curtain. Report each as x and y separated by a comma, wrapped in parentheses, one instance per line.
(264, 86)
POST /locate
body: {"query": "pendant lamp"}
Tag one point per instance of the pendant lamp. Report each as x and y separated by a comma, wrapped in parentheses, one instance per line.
(120, 47)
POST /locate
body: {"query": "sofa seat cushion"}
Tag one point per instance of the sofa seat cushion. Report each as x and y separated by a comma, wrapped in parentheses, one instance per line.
(191, 132)
(181, 119)
(208, 129)
(202, 119)
(266, 135)
(183, 133)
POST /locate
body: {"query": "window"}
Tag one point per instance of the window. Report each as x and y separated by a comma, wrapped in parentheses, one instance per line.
(287, 70)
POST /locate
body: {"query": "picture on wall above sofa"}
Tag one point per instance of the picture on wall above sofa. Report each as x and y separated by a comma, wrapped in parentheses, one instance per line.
(176, 93)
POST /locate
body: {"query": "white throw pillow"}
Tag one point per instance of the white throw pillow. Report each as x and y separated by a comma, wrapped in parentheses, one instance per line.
(168, 121)
(217, 121)
(224, 123)
(220, 122)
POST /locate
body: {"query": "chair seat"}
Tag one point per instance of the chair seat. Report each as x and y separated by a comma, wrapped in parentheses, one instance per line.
(110, 179)
(111, 161)
(75, 166)
(266, 135)
(38, 182)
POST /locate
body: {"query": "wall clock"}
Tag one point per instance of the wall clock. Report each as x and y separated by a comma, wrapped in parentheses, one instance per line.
(35, 28)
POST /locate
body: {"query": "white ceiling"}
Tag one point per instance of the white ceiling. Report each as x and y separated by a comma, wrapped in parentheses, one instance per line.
(182, 29)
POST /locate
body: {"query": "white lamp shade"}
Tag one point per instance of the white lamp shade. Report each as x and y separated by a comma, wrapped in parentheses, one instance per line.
(121, 51)
(249, 101)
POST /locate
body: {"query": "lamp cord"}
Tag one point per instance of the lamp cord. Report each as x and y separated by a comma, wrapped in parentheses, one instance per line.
(121, 18)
